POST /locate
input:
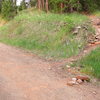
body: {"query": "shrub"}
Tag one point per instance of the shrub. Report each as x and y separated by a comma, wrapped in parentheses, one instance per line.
(74, 5)
(69, 5)
(8, 10)
(89, 5)
(33, 3)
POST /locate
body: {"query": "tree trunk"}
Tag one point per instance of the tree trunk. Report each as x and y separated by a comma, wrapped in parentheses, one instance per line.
(47, 6)
(61, 7)
(42, 4)
(39, 4)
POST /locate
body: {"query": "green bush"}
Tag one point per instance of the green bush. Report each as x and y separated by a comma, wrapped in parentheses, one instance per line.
(89, 5)
(74, 5)
(8, 10)
(0, 5)
(69, 5)
(33, 3)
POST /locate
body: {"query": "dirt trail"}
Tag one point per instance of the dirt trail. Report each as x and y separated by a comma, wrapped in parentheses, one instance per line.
(24, 77)
(27, 77)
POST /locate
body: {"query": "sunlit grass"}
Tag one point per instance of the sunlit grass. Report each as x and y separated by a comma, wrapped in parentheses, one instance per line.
(97, 13)
(91, 63)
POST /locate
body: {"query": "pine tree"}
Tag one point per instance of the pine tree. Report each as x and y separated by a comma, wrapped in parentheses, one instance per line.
(8, 9)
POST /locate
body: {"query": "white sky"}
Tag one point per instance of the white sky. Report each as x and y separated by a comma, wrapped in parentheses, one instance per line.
(19, 1)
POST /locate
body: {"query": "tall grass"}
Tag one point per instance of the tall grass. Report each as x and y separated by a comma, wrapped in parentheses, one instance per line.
(91, 63)
(97, 13)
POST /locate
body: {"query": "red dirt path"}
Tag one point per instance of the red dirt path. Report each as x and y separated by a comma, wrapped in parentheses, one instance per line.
(26, 77)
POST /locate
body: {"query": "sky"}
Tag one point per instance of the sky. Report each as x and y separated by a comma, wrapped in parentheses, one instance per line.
(19, 1)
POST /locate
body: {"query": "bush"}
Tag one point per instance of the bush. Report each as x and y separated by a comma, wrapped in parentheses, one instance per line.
(33, 3)
(0, 5)
(68, 5)
(89, 5)
(74, 5)
(8, 10)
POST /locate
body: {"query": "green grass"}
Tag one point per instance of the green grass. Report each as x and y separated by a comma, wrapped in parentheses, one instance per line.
(91, 63)
(97, 13)
(46, 34)
(2, 21)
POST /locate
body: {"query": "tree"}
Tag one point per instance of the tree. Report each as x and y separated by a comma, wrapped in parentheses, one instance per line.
(0, 5)
(68, 5)
(47, 6)
(33, 3)
(8, 9)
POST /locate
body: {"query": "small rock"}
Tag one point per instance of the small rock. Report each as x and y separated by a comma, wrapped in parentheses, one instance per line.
(76, 31)
(83, 78)
(85, 51)
(69, 70)
(94, 92)
(78, 27)
(74, 79)
(49, 68)
(78, 68)
(71, 83)
(76, 83)
(79, 81)
(98, 23)
(67, 66)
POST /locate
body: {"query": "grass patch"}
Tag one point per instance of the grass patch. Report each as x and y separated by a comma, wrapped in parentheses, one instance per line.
(91, 63)
(46, 34)
(2, 21)
(97, 13)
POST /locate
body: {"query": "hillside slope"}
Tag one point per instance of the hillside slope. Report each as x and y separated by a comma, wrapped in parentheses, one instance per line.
(49, 34)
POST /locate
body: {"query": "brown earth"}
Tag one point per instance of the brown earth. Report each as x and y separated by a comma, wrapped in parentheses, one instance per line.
(26, 77)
